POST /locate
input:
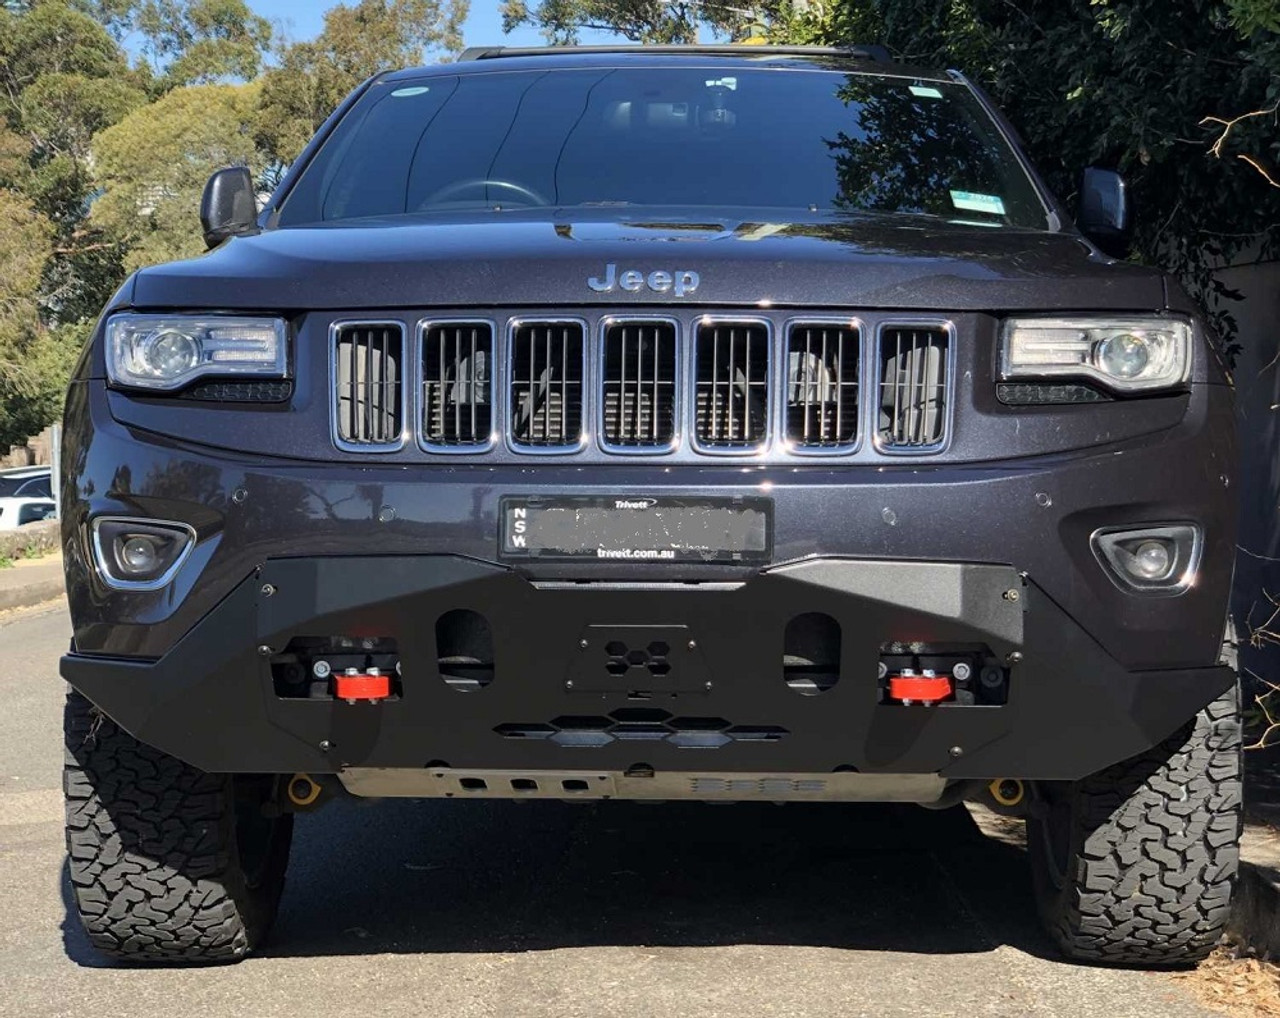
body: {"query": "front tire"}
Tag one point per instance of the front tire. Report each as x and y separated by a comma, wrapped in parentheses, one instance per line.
(168, 863)
(1135, 865)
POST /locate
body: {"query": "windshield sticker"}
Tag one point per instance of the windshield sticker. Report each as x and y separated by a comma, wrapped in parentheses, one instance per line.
(971, 202)
(404, 93)
(925, 92)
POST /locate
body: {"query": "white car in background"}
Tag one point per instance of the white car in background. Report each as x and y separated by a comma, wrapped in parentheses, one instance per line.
(26, 496)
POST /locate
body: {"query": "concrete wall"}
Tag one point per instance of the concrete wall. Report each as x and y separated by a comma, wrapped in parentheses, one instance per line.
(37, 452)
(1257, 377)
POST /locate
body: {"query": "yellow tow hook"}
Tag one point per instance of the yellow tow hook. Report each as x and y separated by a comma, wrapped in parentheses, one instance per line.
(303, 790)
(1008, 792)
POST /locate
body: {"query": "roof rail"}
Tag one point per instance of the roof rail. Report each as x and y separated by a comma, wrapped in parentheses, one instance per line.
(878, 54)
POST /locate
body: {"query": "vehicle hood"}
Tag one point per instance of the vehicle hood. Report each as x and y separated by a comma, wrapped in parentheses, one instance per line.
(750, 259)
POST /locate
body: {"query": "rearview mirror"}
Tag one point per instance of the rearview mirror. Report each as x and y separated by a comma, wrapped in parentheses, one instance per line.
(228, 208)
(1106, 217)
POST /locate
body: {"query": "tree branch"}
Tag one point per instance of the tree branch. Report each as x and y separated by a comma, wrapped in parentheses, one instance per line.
(1228, 125)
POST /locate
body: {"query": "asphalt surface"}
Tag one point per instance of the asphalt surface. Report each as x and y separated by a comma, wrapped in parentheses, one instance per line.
(528, 909)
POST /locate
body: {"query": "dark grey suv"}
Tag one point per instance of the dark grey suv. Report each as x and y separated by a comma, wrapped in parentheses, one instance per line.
(707, 423)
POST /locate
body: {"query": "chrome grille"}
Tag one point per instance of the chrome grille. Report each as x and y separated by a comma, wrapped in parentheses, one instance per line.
(639, 384)
(369, 385)
(822, 385)
(731, 384)
(457, 404)
(546, 372)
(913, 387)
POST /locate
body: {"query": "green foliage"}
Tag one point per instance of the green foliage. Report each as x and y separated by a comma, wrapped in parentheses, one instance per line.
(62, 112)
(32, 359)
(53, 38)
(102, 163)
(313, 77)
(651, 21)
(1249, 16)
(204, 40)
(153, 166)
(1118, 83)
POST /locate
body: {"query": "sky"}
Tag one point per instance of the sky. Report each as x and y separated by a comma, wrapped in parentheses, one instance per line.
(303, 19)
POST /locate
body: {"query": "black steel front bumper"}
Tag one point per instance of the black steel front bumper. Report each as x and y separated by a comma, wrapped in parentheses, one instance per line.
(1072, 708)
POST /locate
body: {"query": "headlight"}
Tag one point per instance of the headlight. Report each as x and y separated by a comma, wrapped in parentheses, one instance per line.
(168, 352)
(1128, 355)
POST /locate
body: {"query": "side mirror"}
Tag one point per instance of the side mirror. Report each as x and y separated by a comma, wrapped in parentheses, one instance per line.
(1106, 216)
(229, 207)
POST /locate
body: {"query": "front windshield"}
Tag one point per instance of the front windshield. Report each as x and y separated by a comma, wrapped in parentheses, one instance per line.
(667, 136)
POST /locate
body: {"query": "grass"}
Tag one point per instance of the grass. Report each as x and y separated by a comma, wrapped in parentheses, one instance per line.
(26, 551)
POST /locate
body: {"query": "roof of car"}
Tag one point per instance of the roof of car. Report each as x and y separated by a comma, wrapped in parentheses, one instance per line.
(860, 59)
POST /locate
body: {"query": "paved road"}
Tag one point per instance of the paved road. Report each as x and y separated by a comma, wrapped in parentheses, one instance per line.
(525, 909)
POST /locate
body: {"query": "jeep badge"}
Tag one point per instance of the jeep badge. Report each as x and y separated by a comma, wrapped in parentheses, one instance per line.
(678, 283)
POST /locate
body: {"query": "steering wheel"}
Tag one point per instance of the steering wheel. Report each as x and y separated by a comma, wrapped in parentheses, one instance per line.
(449, 190)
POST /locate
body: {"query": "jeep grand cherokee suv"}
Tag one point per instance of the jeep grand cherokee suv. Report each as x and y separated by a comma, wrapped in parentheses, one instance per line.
(708, 423)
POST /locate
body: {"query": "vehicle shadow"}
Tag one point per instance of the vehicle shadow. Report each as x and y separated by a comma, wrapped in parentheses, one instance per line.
(503, 876)
(500, 877)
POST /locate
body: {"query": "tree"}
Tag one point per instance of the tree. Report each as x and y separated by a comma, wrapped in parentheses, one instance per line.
(202, 41)
(1251, 16)
(651, 21)
(62, 79)
(314, 77)
(1118, 83)
(33, 362)
(153, 165)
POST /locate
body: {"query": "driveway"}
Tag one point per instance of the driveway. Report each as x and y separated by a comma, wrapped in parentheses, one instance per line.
(527, 909)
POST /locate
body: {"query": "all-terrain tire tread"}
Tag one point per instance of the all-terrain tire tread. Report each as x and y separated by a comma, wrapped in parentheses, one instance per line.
(150, 848)
(1151, 882)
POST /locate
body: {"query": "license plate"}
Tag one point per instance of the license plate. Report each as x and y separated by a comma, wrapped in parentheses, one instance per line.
(637, 529)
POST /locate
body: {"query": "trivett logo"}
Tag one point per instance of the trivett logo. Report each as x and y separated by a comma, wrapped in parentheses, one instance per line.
(678, 282)
(634, 503)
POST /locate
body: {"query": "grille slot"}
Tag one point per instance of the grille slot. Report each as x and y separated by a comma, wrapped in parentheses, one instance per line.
(457, 404)
(639, 384)
(546, 384)
(369, 385)
(822, 385)
(913, 387)
(731, 364)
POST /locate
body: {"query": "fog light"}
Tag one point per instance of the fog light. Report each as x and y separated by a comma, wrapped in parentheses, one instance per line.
(1150, 560)
(139, 554)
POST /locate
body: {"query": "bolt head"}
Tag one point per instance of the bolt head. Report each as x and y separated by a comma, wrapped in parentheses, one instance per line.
(325, 745)
(264, 651)
(268, 590)
(956, 751)
(321, 669)
(584, 644)
(693, 644)
(961, 671)
(1014, 657)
